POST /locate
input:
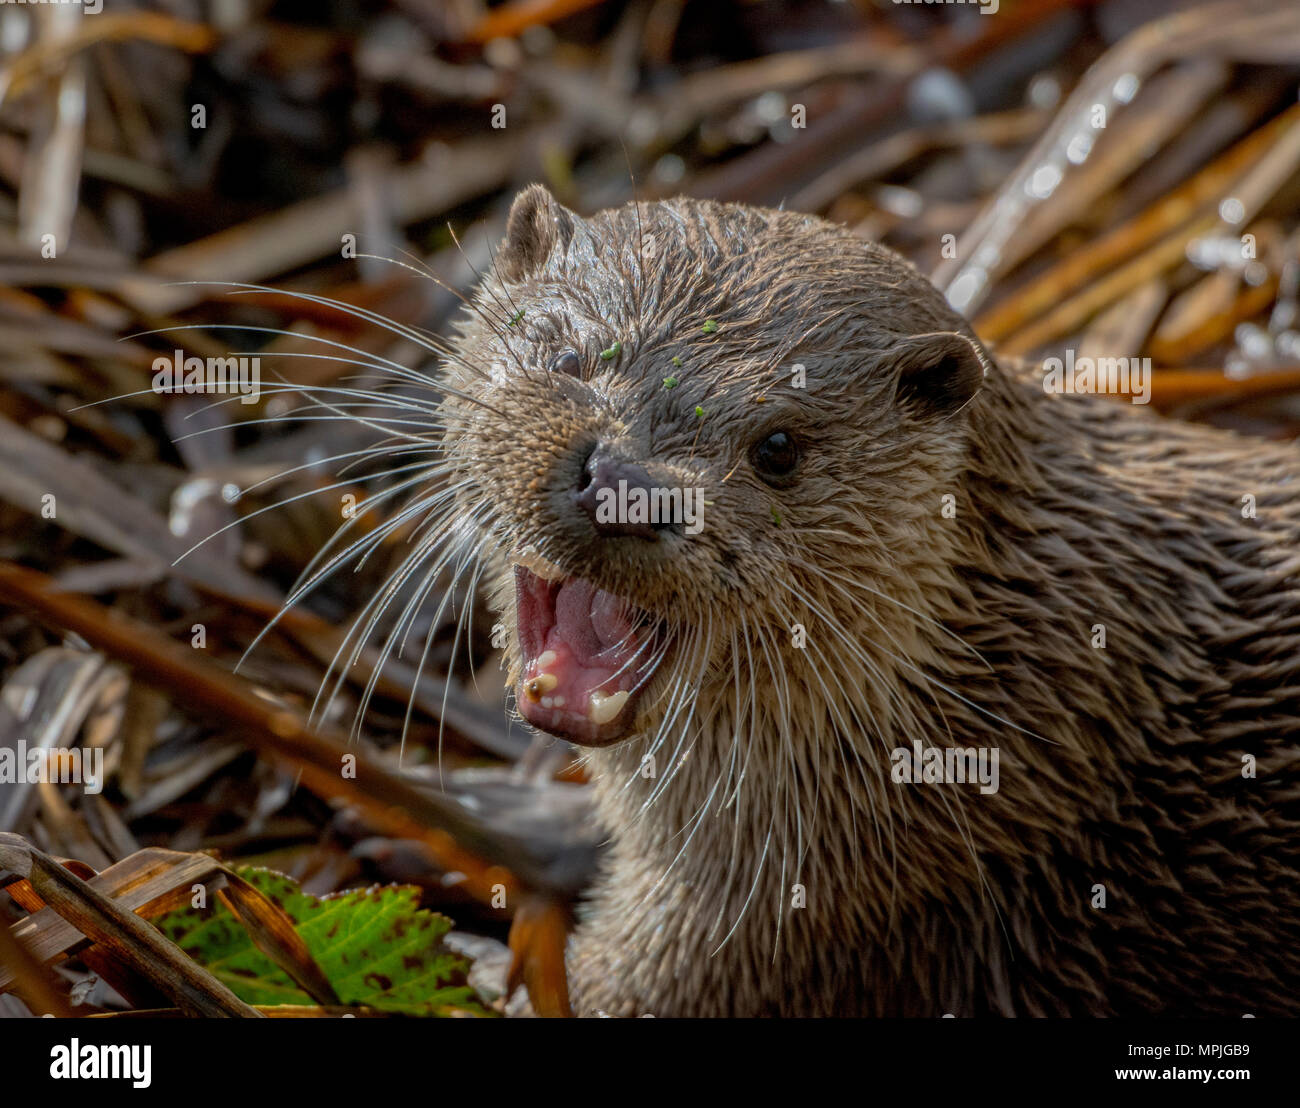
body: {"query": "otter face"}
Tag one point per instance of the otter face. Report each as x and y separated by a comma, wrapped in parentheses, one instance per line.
(666, 426)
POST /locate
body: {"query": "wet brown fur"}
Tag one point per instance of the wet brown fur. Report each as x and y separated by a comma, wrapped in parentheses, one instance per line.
(1120, 767)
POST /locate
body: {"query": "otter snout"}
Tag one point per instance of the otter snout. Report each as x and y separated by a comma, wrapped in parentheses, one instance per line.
(607, 480)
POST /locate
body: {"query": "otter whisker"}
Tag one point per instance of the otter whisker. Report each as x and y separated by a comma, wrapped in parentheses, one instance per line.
(433, 520)
(736, 685)
(692, 702)
(358, 636)
(675, 694)
(872, 781)
(312, 576)
(893, 600)
(687, 700)
(941, 685)
(420, 466)
(402, 626)
(420, 338)
(789, 782)
(512, 311)
(744, 908)
(464, 622)
(750, 746)
(493, 322)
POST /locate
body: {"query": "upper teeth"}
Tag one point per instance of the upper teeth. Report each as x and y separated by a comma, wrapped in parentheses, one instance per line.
(604, 707)
(535, 563)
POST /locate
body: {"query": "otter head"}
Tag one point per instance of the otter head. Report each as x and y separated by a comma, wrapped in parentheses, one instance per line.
(678, 429)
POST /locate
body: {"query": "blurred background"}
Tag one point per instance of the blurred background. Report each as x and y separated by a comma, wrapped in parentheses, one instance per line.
(317, 183)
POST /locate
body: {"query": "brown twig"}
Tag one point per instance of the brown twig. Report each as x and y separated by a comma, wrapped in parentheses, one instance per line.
(49, 55)
(327, 765)
(32, 981)
(514, 18)
(135, 941)
(1169, 213)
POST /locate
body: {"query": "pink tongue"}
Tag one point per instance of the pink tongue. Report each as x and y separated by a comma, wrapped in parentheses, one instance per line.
(590, 620)
(573, 618)
(609, 620)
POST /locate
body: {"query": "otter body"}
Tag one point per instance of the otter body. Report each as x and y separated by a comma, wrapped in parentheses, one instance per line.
(917, 545)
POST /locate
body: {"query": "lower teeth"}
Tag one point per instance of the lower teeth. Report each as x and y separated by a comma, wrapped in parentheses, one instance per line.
(604, 707)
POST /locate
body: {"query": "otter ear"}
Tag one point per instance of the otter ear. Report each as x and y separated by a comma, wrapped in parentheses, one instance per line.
(538, 225)
(937, 373)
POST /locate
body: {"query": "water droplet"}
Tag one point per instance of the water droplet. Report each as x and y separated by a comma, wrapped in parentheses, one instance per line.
(1044, 92)
(669, 169)
(1080, 147)
(965, 289)
(1255, 273)
(770, 107)
(1044, 181)
(1232, 210)
(1236, 366)
(1126, 87)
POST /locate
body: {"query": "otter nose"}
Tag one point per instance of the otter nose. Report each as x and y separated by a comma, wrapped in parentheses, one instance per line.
(606, 488)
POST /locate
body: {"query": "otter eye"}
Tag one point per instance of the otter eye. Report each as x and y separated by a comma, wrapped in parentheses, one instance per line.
(567, 363)
(776, 455)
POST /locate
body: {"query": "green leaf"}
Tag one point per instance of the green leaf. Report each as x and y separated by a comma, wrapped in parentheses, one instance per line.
(376, 946)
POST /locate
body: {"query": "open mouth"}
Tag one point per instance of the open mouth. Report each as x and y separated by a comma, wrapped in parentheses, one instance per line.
(588, 655)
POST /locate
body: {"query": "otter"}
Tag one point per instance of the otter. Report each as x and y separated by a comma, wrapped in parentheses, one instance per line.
(907, 546)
